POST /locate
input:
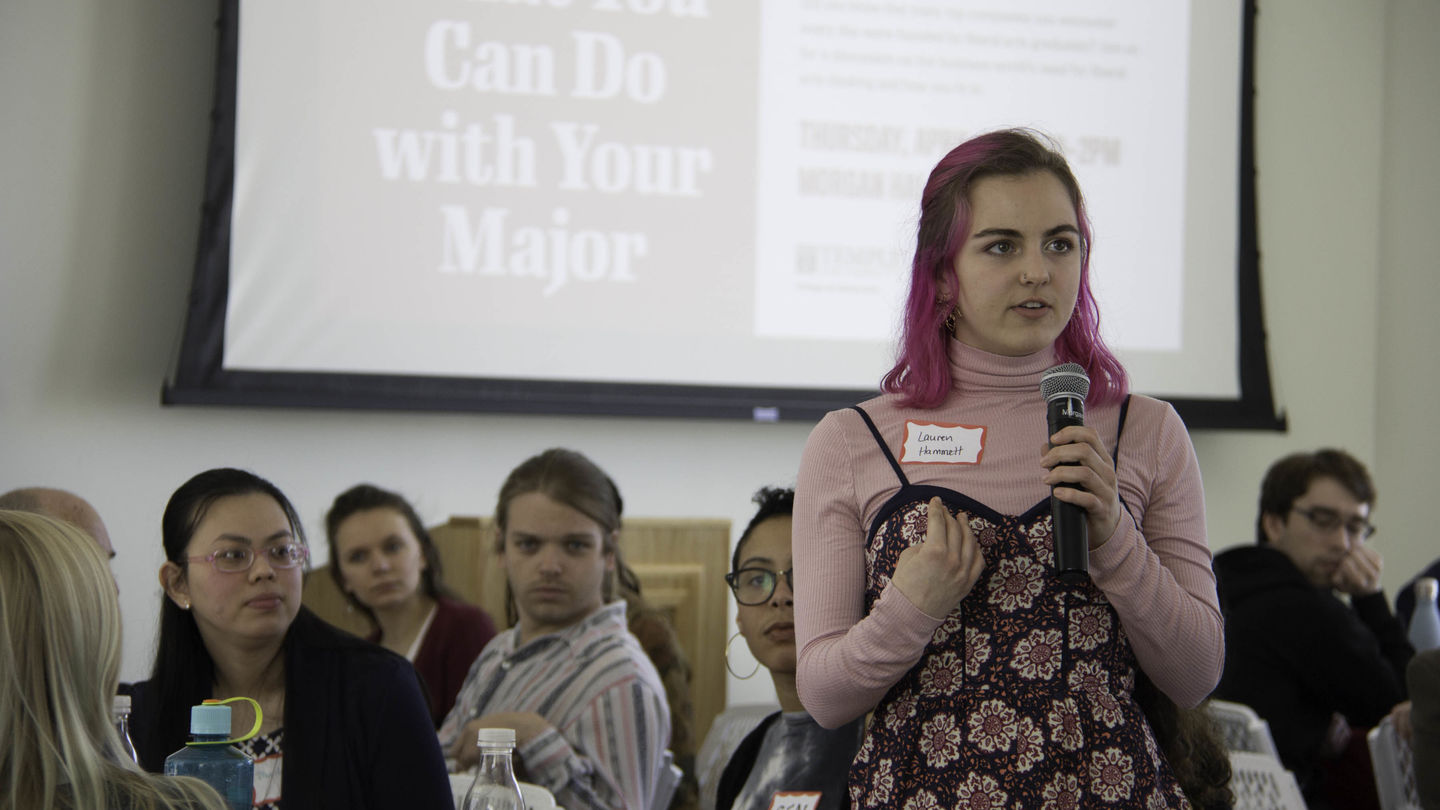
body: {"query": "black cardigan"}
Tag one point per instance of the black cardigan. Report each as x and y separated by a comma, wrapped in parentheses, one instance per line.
(357, 728)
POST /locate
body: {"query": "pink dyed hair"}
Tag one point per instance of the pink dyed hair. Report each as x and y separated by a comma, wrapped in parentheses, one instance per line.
(921, 374)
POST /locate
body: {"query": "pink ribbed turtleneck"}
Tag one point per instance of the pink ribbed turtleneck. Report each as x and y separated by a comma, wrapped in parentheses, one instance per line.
(1157, 576)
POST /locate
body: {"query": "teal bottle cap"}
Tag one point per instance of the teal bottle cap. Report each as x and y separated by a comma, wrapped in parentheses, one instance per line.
(210, 718)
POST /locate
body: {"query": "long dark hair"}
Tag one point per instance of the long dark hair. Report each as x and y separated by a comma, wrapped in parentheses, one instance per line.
(184, 671)
(363, 498)
(1191, 743)
(568, 477)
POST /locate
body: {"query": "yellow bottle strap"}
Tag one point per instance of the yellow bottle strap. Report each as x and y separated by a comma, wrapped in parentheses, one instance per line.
(253, 731)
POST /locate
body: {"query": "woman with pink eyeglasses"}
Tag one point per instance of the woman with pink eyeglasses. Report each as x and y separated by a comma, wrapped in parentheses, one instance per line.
(341, 717)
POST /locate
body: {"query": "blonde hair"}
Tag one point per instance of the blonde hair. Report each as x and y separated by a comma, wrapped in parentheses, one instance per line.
(59, 663)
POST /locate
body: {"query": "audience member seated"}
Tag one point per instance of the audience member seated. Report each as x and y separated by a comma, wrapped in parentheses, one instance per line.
(59, 660)
(61, 505)
(1320, 670)
(1423, 677)
(788, 752)
(587, 706)
(344, 721)
(383, 560)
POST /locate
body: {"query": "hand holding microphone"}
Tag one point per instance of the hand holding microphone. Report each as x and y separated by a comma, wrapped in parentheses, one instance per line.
(1084, 500)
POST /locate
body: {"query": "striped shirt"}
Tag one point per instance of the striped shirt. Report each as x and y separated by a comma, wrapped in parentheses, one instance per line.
(600, 694)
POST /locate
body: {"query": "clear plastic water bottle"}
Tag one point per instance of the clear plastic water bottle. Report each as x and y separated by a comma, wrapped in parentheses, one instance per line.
(209, 758)
(120, 713)
(1425, 621)
(495, 786)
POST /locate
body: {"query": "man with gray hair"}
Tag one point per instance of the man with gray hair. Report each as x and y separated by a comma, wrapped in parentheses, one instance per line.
(61, 505)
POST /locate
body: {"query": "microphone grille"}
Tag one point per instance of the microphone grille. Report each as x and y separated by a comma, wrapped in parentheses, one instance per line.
(1065, 380)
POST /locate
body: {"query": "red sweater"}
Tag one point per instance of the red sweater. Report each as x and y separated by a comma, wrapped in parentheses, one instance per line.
(453, 641)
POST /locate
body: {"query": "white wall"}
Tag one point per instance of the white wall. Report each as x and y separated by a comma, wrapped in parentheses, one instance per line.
(1319, 73)
(102, 140)
(1407, 356)
(1349, 187)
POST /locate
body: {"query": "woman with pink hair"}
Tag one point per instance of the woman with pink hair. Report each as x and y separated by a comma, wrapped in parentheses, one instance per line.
(925, 579)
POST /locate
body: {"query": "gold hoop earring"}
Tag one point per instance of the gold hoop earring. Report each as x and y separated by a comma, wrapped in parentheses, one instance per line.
(727, 660)
(950, 316)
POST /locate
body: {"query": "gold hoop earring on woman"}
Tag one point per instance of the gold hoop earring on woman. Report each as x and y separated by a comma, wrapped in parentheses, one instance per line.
(729, 669)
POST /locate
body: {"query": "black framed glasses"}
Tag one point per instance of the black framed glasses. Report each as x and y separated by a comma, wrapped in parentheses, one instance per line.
(755, 586)
(1328, 520)
(239, 559)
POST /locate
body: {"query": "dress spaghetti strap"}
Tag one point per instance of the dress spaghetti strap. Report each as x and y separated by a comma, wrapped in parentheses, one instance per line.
(880, 440)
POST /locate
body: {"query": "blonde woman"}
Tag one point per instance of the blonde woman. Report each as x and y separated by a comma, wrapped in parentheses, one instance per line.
(59, 662)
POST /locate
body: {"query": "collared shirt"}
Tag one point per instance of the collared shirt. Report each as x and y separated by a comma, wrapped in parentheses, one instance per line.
(595, 686)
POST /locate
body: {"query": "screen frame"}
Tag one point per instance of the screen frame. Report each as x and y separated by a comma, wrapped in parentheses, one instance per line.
(198, 376)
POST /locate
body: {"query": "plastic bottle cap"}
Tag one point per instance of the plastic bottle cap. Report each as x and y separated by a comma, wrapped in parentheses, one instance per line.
(121, 703)
(495, 736)
(1427, 587)
(210, 719)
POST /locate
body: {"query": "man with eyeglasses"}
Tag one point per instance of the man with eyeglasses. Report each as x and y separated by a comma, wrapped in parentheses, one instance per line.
(788, 760)
(1310, 642)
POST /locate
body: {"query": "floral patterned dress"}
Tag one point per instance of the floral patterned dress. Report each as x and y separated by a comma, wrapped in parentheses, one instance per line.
(1024, 696)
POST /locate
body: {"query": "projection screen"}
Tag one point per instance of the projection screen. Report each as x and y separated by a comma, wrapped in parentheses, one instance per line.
(700, 208)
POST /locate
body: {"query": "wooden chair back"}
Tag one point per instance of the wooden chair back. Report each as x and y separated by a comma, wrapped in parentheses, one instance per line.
(681, 563)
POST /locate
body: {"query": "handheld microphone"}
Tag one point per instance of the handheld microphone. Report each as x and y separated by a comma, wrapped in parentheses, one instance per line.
(1065, 387)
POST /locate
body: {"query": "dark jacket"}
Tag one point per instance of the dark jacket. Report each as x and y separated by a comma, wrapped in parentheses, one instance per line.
(454, 640)
(357, 730)
(1297, 654)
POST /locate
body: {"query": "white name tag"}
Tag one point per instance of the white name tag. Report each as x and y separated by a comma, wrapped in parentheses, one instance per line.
(939, 443)
(795, 800)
